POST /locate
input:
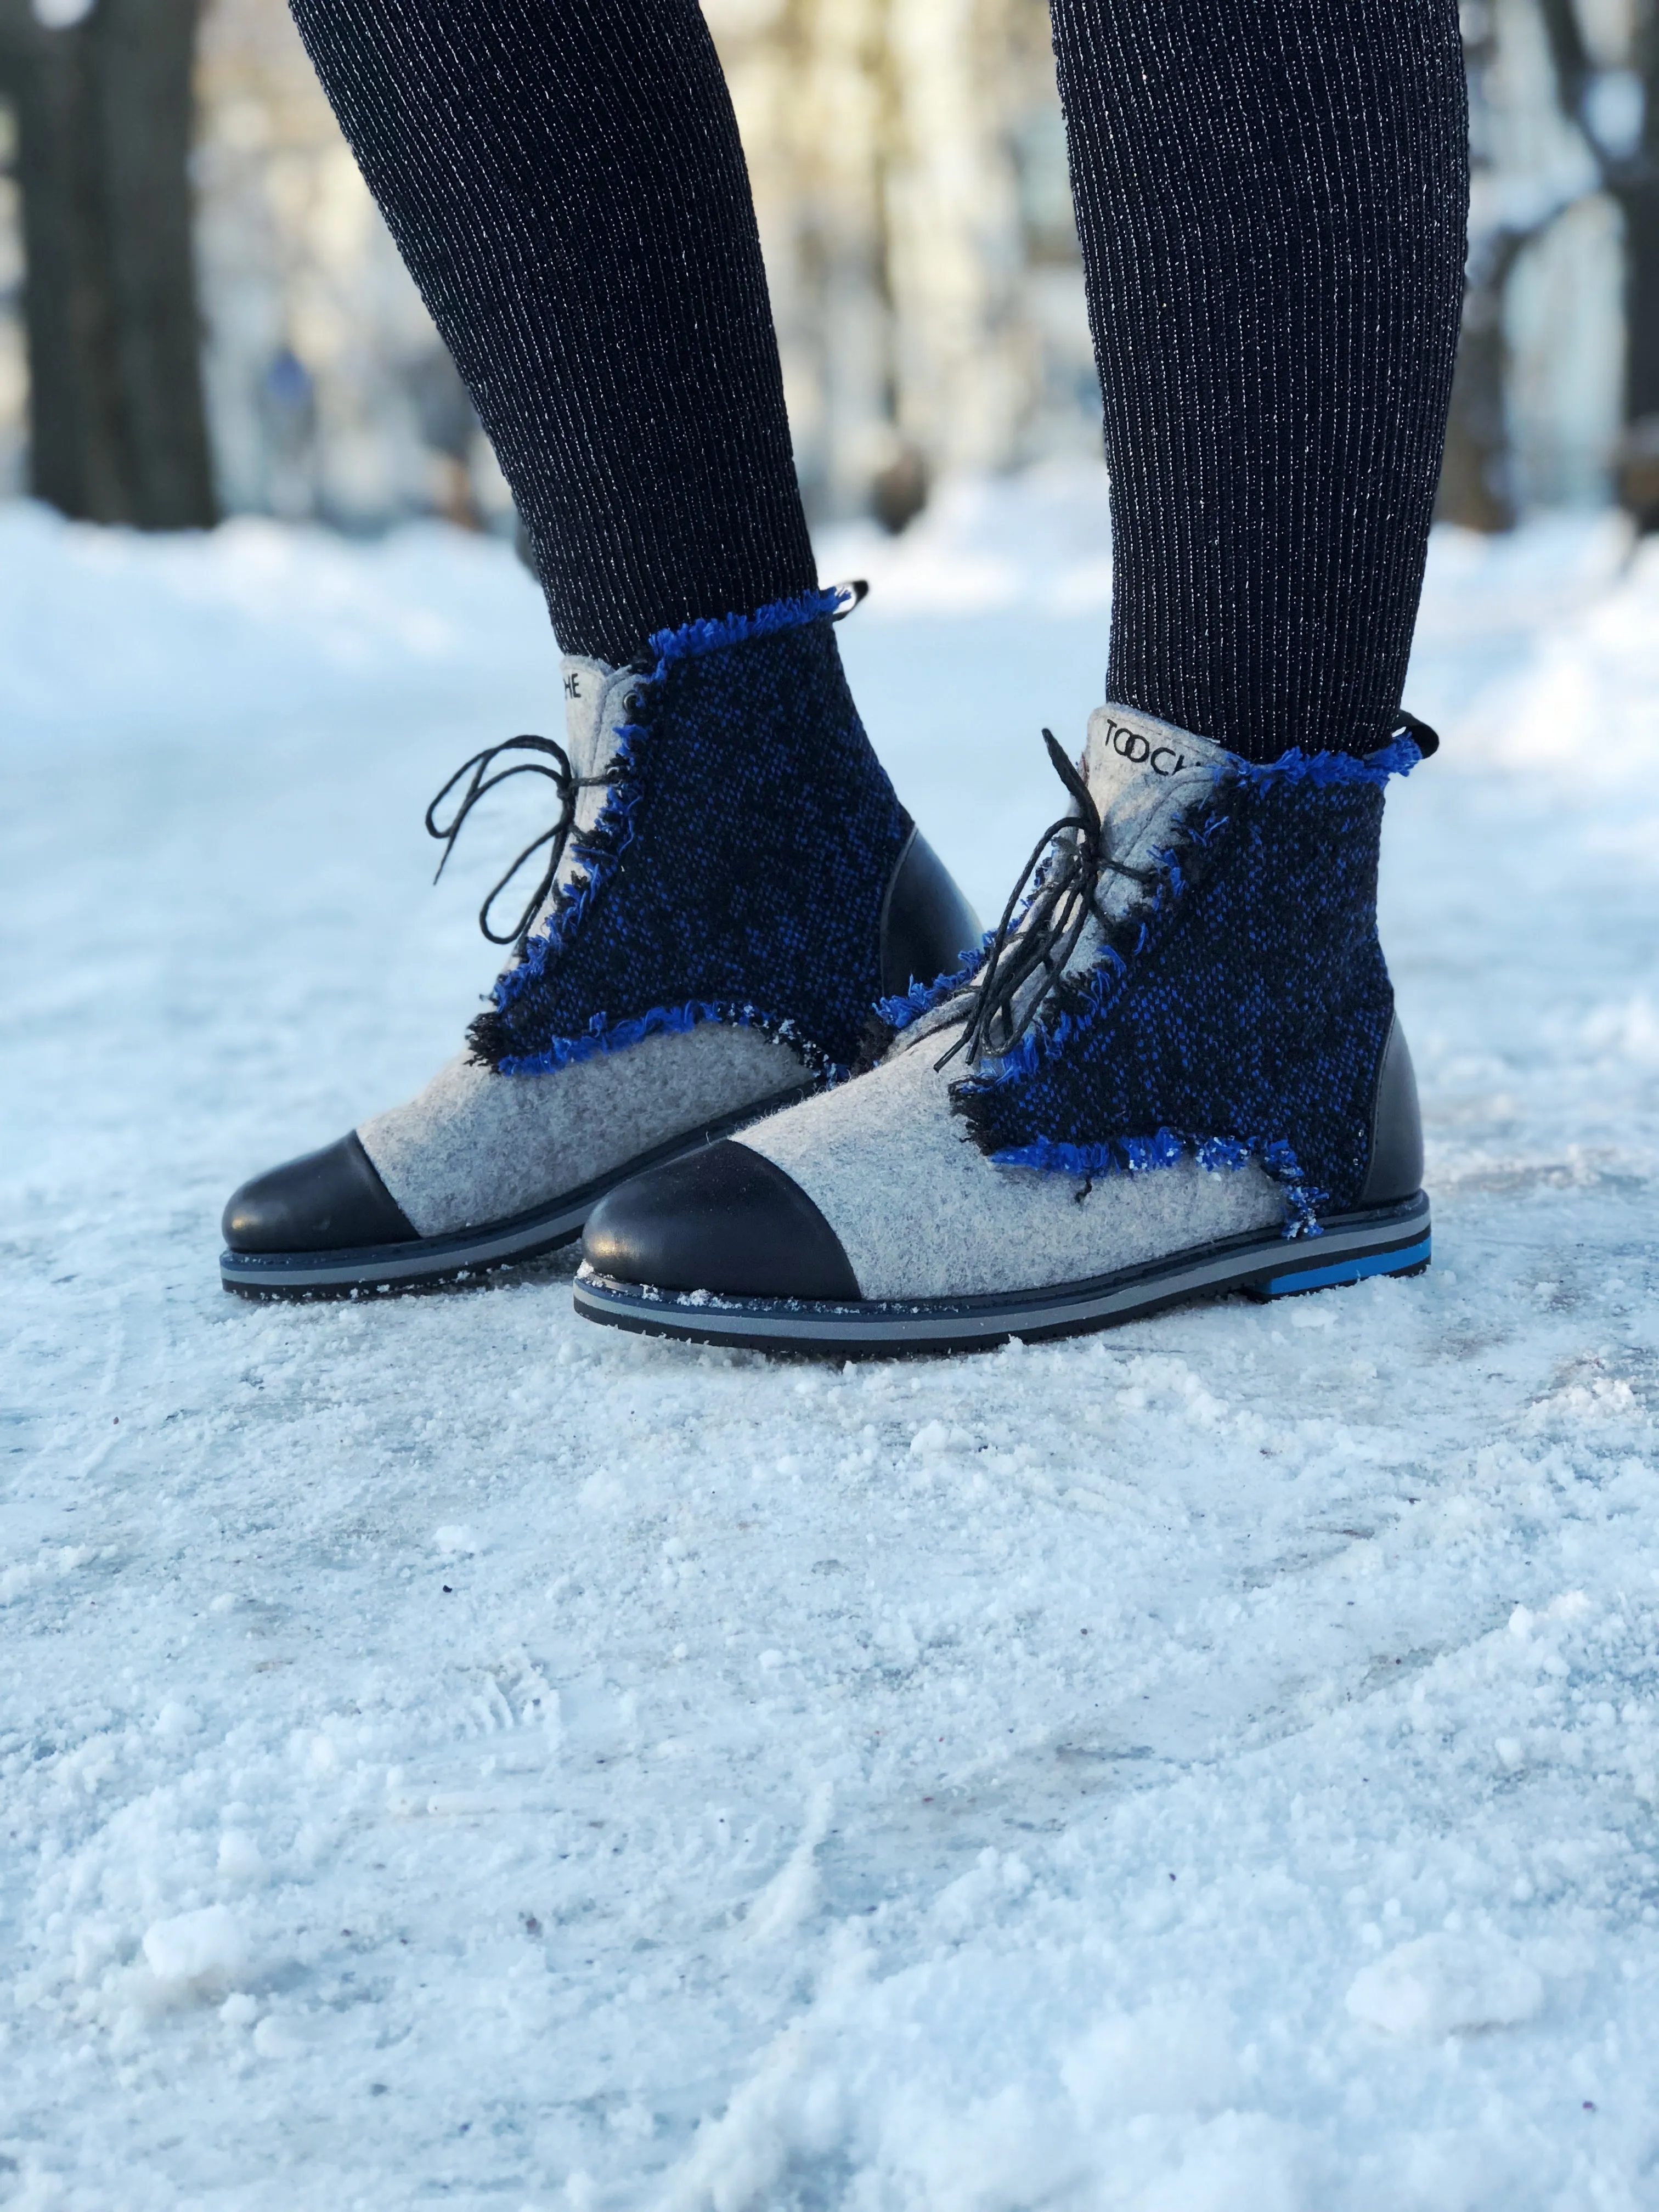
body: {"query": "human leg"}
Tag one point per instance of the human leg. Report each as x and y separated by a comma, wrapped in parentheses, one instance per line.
(730, 881)
(1271, 200)
(564, 179)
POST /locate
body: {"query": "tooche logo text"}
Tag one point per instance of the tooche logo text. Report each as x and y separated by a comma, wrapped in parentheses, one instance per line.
(1130, 745)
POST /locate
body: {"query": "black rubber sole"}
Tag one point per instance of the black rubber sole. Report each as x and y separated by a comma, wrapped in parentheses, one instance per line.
(429, 1261)
(1392, 1240)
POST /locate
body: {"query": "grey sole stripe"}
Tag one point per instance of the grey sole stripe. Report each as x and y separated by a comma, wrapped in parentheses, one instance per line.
(466, 1251)
(1395, 1237)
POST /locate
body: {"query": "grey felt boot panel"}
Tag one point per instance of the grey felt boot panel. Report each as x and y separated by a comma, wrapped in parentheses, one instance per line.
(1142, 775)
(476, 1146)
(922, 1212)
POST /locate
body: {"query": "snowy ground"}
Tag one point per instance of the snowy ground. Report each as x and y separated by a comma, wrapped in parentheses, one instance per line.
(452, 1753)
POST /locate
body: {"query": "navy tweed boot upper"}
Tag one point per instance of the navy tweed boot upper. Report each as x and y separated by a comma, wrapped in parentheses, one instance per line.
(1177, 1050)
(736, 871)
(729, 886)
(1239, 1010)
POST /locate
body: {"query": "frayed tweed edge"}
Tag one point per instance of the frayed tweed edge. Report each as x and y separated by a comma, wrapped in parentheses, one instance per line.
(668, 1021)
(921, 998)
(598, 853)
(1398, 757)
(1145, 1154)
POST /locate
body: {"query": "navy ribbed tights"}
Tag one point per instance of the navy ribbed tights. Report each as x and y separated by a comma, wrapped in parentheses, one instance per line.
(1270, 198)
(564, 179)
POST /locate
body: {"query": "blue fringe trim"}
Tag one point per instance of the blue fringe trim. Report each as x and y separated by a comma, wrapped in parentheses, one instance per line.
(1145, 1154)
(696, 638)
(597, 854)
(899, 1013)
(667, 1021)
(1398, 757)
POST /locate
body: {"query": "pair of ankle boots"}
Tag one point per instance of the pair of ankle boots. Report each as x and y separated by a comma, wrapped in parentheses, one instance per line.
(1173, 1068)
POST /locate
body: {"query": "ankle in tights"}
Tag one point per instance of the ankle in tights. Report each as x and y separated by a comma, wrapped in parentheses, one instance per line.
(1270, 198)
(564, 179)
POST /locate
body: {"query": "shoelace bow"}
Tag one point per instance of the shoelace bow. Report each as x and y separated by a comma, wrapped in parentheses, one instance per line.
(564, 780)
(1066, 893)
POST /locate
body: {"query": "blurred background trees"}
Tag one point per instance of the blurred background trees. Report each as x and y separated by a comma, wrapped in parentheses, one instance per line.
(909, 173)
(1556, 394)
(100, 116)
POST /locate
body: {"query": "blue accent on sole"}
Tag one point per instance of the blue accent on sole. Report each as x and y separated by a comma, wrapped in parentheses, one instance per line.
(1350, 1271)
(1385, 1240)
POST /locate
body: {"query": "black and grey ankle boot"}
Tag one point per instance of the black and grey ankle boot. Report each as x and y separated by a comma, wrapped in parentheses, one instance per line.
(1175, 1068)
(730, 887)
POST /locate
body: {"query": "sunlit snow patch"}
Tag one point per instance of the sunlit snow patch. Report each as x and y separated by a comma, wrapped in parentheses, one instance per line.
(1442, 1985)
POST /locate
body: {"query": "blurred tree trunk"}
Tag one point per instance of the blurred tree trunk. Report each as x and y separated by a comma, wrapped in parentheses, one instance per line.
(117, 430)
(1630, 176)
(1475, 472)
(1640, 199)
(1475, 476)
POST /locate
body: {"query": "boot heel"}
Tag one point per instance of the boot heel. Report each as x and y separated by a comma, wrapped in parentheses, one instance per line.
(1408, 1257)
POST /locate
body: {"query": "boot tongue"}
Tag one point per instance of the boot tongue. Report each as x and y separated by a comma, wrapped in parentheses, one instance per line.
(1142, 773)
(592, 707)
(594, 704)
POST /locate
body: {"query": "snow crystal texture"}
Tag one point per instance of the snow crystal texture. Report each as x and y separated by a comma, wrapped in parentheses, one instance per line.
(1214, 1764)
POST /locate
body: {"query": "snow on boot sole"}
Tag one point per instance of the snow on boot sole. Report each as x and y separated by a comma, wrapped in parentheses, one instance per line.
(1393, 1240)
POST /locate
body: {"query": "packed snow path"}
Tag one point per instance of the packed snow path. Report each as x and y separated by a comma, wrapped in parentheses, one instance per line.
(450, 1753)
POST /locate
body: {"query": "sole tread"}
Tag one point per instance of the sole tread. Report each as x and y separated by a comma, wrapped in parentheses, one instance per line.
(1392, 1240)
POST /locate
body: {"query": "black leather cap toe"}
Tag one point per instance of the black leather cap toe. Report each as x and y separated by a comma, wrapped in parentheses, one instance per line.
(328, 1201)
(723, 1220)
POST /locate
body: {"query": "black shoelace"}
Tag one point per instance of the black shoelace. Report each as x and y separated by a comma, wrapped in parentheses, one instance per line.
(1066, 892)
(566, 782)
